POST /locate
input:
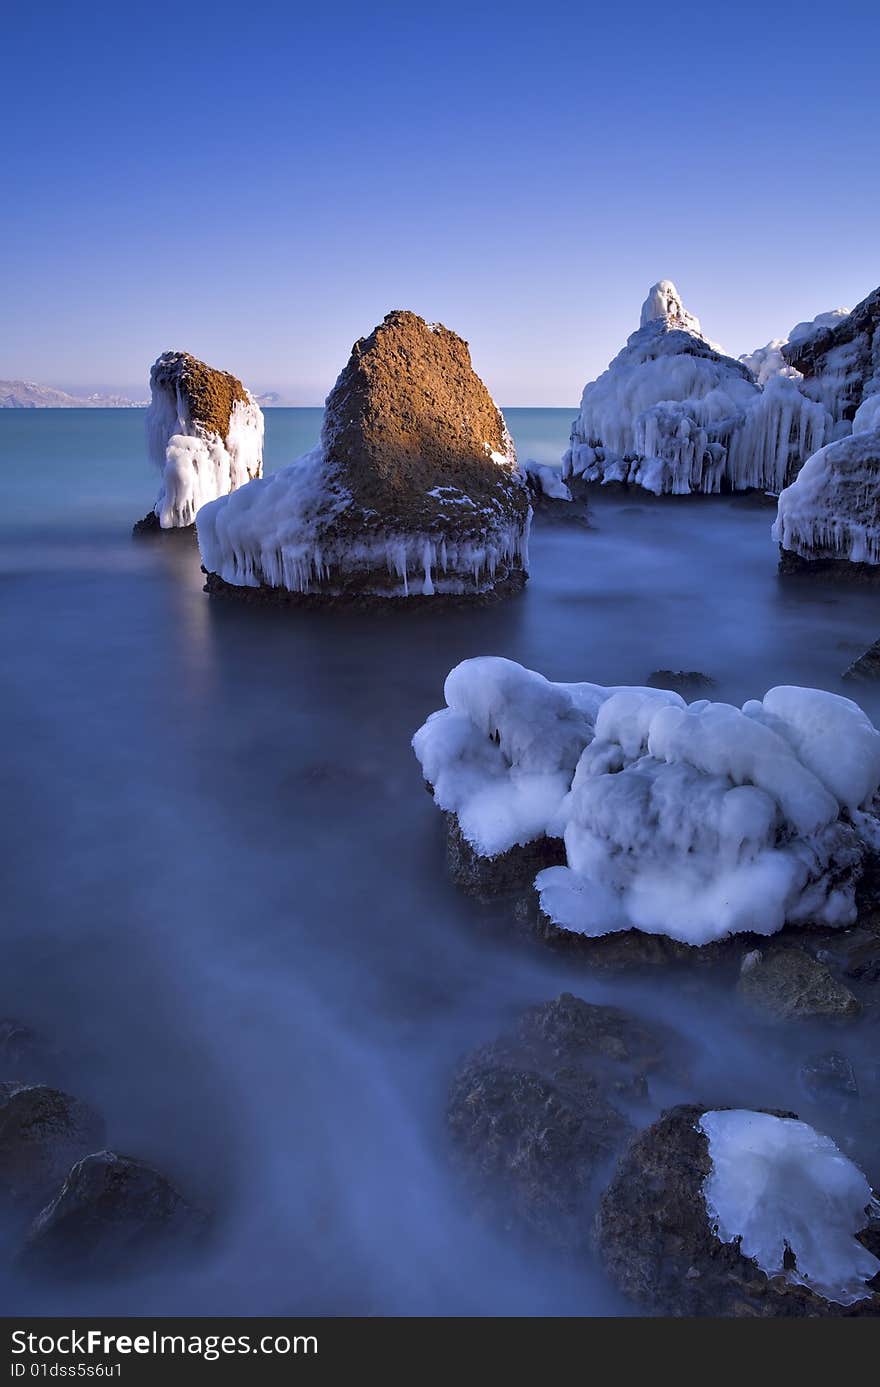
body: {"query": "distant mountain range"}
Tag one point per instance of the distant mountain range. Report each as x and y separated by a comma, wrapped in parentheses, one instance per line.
(27, 394)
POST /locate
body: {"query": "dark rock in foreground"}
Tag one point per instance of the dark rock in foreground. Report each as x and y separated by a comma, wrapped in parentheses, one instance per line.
(657, 1243)
(42, 1131)
(112, 1214)
(533, 1116)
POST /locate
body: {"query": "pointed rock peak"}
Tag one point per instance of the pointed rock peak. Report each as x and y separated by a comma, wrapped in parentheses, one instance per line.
(664, 304)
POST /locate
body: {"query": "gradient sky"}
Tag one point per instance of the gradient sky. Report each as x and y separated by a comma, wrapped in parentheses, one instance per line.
(260, 183)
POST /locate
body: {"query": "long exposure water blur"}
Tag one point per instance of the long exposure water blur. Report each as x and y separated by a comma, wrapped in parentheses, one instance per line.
(224, 887)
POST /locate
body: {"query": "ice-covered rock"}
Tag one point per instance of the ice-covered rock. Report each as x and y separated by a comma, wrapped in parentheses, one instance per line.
(739, 1213)
(673, 414)
(414, 488)
(694, 822)
(828, 520)
(204, 434)
(545, 482)
(840, 359)
(829, 517)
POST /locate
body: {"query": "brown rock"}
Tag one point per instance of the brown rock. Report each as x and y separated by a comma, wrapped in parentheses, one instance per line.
(790, 985)
(418, 491)
(205, 393)
(504, 874)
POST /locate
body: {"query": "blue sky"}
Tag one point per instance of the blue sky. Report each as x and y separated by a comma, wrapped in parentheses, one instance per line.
(260, 183)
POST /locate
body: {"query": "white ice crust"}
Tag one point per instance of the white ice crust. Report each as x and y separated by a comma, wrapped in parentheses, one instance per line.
(783, 1188)
(673, 414)
(196, 464)
(692, 821)
(832, 508)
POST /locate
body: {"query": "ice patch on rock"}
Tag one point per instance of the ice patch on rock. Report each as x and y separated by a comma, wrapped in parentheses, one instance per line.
(787, 1192)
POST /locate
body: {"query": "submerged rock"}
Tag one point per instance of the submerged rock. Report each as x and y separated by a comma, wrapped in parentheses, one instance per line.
(42, 1131)
(111, 1213)
(413, 490)
(205, 435)
(867, 666)
(829, 1075)
(22, 1051)
(683, 681)
(533, 1116)
(790, 985)
(673, 414)
(671, 1253)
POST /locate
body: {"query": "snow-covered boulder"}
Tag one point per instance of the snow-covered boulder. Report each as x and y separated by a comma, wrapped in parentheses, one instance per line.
(737, 1212)
(414, 488)
(673, 414)
(693, 822)
(840, 361)
(204, 434)
(828, 520)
